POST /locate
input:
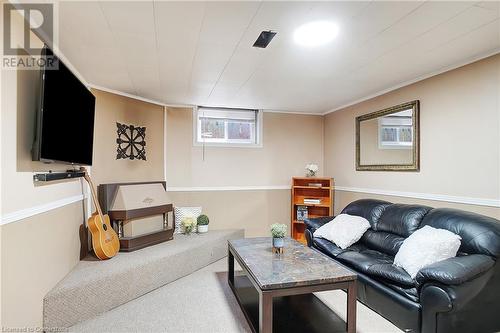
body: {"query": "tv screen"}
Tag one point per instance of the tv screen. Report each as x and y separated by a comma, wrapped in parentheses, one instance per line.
(65, 122)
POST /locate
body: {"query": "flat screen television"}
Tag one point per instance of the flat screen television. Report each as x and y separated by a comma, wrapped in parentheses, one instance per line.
(65, 117)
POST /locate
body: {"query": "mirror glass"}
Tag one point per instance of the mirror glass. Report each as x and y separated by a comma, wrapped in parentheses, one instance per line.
(388, 139)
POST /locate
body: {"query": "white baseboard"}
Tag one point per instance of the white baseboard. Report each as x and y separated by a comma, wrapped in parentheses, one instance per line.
(425, 196)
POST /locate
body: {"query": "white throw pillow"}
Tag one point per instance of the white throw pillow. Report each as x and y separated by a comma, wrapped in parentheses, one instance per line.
(181, 213)
(426, 246)
(344, 230)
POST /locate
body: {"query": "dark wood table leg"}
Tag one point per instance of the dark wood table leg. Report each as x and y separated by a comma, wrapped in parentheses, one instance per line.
(265, 312)
(230, 267)
(351, 307)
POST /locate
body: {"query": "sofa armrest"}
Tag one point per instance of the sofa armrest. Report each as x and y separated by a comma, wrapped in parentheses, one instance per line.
(455, 271)
(437, 298)
(314, 223)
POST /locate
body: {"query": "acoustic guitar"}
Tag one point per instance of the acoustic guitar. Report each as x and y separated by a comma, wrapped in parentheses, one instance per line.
(104, 238)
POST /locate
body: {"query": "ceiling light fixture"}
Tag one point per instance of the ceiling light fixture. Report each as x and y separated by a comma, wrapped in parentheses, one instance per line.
(316, 33)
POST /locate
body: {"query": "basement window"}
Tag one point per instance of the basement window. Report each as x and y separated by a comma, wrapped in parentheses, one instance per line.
(227, 127)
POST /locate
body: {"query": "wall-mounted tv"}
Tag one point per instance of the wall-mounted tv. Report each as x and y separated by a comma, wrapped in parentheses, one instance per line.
(65, 118)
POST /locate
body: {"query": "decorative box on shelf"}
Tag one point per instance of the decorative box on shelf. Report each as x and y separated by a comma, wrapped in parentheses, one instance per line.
(311, 197)
(302, 213)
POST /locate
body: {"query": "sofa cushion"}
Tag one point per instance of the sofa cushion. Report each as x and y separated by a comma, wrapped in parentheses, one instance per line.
(480, 234)
(382, 241)
(370, 209)
(401, 219)
(327, 246)
(410, 293)
(376, 264)
(363, 259)
(392, 274)
(333, 250)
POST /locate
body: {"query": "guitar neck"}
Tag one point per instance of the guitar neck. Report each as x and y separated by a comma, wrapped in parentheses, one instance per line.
(94, 195)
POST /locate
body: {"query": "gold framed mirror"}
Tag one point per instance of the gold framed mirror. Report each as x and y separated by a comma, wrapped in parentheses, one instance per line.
(389, 139)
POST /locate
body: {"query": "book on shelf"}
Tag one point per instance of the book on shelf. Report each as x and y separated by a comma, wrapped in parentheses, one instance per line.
(312, 201)
(302, 213)
(315, 185)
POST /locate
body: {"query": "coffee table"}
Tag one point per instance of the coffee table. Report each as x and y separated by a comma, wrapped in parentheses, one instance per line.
(284, 285)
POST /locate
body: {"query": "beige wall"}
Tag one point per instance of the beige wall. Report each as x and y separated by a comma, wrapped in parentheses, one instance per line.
(111, 108)
(289, 143)
(460, 156)
(38, 251)
(460, 138)
(253, 211)
(36, 254)
(343, 198)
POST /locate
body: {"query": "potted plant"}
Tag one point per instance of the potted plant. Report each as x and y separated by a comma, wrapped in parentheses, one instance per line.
(278, 231)
(311, 169)
(202, 222)
(189, 223)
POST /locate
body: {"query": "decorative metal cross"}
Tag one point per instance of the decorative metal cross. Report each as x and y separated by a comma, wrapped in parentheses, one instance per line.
(131, 142)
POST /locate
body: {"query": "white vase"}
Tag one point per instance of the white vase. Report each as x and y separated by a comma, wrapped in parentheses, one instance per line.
(202, 229)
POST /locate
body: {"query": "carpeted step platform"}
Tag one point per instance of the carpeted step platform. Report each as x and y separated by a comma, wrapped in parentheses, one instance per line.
(94, 287)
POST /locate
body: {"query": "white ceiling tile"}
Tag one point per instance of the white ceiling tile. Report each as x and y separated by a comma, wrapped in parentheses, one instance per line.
(201, 52)
(178, 27)
(420, 21)
(376, 17)
(75, 27)
(225, 22)
(491, 5)
(134, 17)
(466, 21)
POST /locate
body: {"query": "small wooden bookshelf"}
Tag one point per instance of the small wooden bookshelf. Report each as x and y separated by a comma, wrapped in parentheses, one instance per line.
(311, 195)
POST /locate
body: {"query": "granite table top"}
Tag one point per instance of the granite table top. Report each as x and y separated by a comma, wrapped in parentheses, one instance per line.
(298, 266)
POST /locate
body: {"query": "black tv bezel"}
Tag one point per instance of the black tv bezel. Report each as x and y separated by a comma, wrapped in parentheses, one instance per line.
(36, 151)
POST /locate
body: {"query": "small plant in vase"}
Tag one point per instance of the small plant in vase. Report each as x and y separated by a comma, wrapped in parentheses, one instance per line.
(278, 231)
(189, 223)
(202, 222)
(311, 169)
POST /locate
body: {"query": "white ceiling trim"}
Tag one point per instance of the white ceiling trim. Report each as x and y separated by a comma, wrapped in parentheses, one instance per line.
(295, 112)
(152, 101)
(418, 79)
(139, 98)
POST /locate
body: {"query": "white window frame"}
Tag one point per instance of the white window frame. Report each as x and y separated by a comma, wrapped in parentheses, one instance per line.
(198, 141)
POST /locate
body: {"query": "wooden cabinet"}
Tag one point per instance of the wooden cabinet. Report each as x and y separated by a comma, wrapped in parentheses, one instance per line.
(312, 197)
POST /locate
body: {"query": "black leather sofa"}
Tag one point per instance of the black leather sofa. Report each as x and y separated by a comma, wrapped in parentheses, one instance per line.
(460, 294)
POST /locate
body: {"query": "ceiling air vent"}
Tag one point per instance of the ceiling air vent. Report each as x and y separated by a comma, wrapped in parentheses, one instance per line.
(264, 39)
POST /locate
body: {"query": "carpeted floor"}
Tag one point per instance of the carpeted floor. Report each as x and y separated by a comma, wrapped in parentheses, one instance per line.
(202, 302)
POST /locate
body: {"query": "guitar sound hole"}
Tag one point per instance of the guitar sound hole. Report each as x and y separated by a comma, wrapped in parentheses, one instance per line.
(105, 227)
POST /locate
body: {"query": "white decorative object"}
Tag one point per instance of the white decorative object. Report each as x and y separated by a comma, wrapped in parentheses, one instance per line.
(181, 213)
(311, 169)
(426, 246)
(344, 230)
(202, 228)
